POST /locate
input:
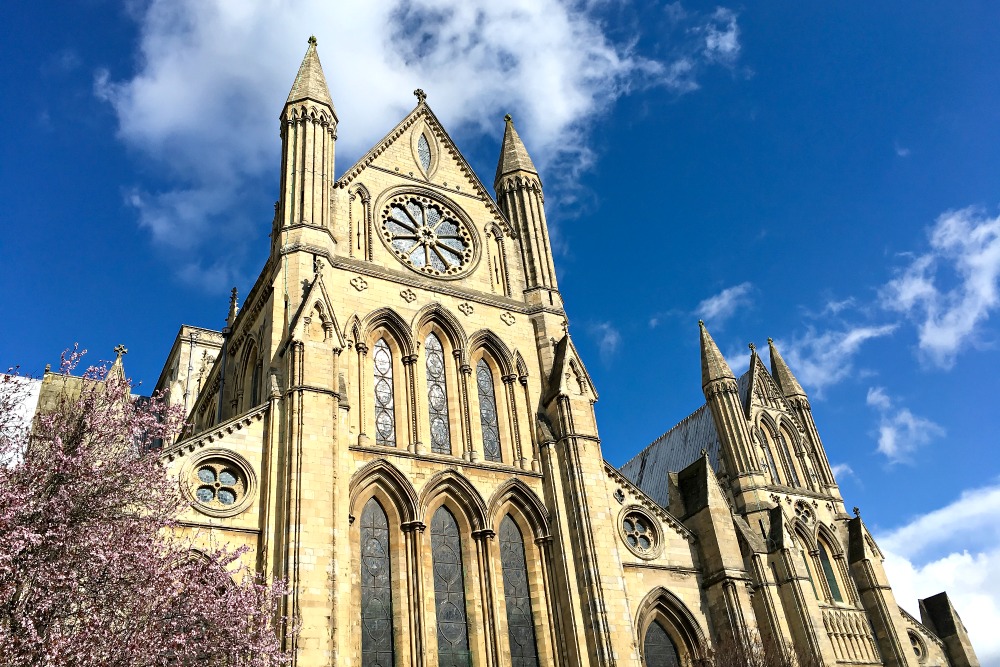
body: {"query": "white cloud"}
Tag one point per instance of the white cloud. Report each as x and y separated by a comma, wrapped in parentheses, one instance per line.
(902, 151)
(953, 288)
(608, 339)
(955, 548)
(202, 107)
(718, 308)
(900, 432)
(842, 471)
(821, 360)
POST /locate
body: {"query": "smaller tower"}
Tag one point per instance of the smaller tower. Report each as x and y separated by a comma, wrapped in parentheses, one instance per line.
(799, 401)
(519, 195)
(722, 395)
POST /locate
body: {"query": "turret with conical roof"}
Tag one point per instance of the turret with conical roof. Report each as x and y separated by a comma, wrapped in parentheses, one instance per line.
(799, 402)
(308, 136)
(519, 194)
(722, 395)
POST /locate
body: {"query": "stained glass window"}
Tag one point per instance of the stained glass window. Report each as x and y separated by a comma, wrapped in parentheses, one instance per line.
(449, 592)
(424, 152)
(638, 533)
(218, 485)
(831, 579)
(793, 476)
(427, 236)
(520, 625)
(376, 590)
(658, 648)
(488, 411)
(437, 396)
(385, 411)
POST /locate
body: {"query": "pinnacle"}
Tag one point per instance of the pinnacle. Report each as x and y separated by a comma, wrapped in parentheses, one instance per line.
(310, 82)
(782, 374)
(713, 364)
(513, 155)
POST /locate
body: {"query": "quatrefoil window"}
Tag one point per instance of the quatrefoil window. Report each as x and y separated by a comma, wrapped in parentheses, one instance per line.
(427, 236)
(218, 484)
(639, 532)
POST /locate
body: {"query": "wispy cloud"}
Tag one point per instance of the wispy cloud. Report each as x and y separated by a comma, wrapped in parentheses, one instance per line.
(549, 62)
(608, 339)
(900, 432)
(954, 548)
(720, 307)
(949, 291)
(902, 151)
(822, 359)
(842, 471)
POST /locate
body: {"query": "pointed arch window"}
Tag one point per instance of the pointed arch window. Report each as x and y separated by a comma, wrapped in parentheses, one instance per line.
(831, 578)
(385, 411)
(424, 152)
(449, 591)
(793, 476)
(488, 412)
(658, 649)
(768, 455)
(520, 623)
(376, 588)
(437, 396)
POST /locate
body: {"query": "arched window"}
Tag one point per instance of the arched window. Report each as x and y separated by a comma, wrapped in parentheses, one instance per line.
(765, 444)
(783, 442)
(437, 396)
(831, 578)
(449, 592)
(520, 625)
(385, 411)
(488, 412)
(376, 589)
(658, 649)
(255, 383)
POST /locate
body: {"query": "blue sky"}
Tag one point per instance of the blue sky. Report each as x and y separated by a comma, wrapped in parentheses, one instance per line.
(824, 174)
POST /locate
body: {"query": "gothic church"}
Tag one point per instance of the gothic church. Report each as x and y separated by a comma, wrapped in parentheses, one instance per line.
(398, 423)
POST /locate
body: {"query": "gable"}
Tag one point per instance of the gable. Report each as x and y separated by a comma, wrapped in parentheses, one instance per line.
(762, 392)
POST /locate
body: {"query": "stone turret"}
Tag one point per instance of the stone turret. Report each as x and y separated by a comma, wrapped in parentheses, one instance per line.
(519, 194)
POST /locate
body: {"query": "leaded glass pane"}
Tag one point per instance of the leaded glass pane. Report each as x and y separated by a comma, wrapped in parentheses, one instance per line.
(206, 475)
(205, 494)
(376, 589)
(520, 624)
(488, 411)
(658, 648)
(437, 396)
(449, 592)
(831, 579)
(227, 477)
(226, 496)
(424, 152)
(385, 411)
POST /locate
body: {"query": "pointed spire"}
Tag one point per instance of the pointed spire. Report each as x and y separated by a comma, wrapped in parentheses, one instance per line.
(713, 364)
(513, 155)
(234, 308)
(310, 82)
(782, 374)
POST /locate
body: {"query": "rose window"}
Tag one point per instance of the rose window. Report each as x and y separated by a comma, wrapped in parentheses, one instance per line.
(427, 236)
(639, 534)
(218, 485)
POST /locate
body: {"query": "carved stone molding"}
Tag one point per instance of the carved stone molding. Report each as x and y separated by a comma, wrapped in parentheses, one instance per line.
(359, 283)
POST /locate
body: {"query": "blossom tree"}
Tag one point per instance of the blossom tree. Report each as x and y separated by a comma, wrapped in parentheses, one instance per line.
(93, 568)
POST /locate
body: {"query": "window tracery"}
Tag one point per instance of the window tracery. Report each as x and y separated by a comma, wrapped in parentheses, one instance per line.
(376, 590)
(427, 236)
(449, 591)
(658, 648)
(520, 623)
(437, 396)
(385, 412)
(488, 412)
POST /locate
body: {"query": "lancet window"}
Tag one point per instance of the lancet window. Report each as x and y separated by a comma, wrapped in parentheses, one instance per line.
(376, 589)
(437, 396)
(831, 578)
(385, 411)
(658, 648)
(793, 477)
(769, 455)
(449, 591)
(488, 412)
(520, 624)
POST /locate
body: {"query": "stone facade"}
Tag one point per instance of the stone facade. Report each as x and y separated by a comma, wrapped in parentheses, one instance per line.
(398, 423)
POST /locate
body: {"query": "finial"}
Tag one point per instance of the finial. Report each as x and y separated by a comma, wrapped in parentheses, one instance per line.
(120, 350)
(704, 452)
(701, 322)
(312, 40)
(857, 512)
(769, 340)
(507, 117)
(565, 326)
(317, 266)
(753, 348)
(421, 95)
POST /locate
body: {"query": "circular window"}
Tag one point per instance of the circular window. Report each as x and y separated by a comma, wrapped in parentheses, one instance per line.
(638, 531)
(803, 512)
(917, 645)
(427, 236)
(219, 484)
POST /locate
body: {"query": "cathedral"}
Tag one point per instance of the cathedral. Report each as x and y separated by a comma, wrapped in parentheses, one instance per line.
(397, 422)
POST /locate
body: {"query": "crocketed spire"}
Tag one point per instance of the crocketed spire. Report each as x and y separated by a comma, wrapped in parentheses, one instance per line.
(713, 364)
(513, 155)
(782, 374)
(310, 82)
